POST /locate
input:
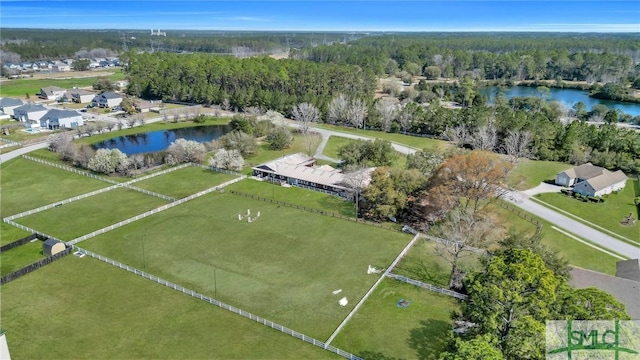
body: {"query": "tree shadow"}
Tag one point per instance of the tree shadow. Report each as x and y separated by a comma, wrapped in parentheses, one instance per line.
(375, 355)
(431, 273)
(429, 339)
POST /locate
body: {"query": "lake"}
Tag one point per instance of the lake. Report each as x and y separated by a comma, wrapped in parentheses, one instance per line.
(567, 97)
(161, 139)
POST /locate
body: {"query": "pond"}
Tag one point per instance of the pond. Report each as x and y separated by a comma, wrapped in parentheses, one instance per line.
(567, 97)
(160, 140)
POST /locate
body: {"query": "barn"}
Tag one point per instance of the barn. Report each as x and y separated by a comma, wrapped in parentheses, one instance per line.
(52, 247)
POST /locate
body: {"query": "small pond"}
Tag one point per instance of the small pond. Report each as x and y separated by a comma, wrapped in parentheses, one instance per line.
(160, 140)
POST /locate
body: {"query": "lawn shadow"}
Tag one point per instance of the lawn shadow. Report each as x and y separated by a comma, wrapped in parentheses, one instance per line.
(430, 339)
(432, 273)
(636, 191)
(375, 355)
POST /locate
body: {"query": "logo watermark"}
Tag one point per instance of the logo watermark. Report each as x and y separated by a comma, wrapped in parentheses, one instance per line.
(601, 339)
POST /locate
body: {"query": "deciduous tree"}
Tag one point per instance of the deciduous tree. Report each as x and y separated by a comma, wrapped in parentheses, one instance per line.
(305, 114)
(185, 151)
(227, 159)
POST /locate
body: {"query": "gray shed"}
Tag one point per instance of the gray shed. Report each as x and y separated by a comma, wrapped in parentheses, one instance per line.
(51, 247)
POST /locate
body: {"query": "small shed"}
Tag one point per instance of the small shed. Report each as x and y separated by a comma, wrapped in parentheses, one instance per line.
(52, 247)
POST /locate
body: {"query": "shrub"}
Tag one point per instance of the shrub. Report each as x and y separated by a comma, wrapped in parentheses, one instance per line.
(280, 138)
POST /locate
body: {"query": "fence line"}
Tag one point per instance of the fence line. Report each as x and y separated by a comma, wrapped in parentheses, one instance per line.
(158, 173)
(304, 208)
(427, 286)
(222, 305)
(453, 243)
(151, 212)
(10, 142)
(34, 266)
(375, 285)
(30, 230)
(525, 216)
(18, 242)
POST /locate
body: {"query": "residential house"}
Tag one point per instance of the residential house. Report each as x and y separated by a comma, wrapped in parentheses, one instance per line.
(52, 92)
(144, 106)
(591, 180)
(61, 66)
(56, 118)
(7, 105)
(301, 170)
(80, 96)
(30, 114)
(106, 100)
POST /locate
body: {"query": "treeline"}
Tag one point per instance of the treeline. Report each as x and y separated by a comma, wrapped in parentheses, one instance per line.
(239, 83)
(517, 57)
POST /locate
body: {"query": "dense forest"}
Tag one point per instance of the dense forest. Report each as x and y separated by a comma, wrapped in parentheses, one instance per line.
(579, 57)
(258, 81)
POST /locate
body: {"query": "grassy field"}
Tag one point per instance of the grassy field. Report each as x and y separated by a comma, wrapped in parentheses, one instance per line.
(84, 216)
(416, 142)
(607, 215)
(20, 87)
(296, 196)
(184, 182)
(27, 185)
(382, 330)
(266, 154)
(283, 266)
(529, 173)
(333, 144)
(20, 257)
(18, 134)
(9, 233)
(84, 308)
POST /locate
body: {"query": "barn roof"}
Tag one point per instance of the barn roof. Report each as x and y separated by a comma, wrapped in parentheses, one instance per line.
(51, 242)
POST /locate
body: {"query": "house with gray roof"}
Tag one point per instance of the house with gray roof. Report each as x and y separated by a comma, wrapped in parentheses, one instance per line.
(106, 100)
(56, 119)
(625, 290)
(302, 171)
(30, 114)
(79, 96)
(591, 180)
(7, 105)
(52, 92)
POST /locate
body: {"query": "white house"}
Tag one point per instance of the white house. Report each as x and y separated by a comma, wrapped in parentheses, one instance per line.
(7, 105)
(30, 114)
(80, 96)
(107, 99)
(52, 92)
(591, 180)
(60, 66)
(55, 119)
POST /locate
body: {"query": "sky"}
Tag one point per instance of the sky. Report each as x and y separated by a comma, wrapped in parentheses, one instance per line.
(328, 15)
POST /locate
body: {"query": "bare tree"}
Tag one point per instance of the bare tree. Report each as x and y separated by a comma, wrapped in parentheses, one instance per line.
(388, 111)
(356, 179)
(337, 111)
(311, 141)
(485, 138)
(99, 127)
(120, 125)
(357, 113)
(305, 114)
(140, 119)
(406, 119)
(131, 121)
(465, 232)
(516, 144)
(459, 135)
(253, 111)
(111, 126)
(83, 155)
(226, 105)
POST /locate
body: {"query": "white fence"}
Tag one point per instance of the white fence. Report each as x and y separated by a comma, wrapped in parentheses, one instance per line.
(158, 173)
(59, 203)
(222, 305)
(10, 142)
(151, 212)
(28, 229)
(427, 286)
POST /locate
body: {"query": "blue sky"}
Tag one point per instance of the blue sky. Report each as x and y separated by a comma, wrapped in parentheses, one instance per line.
(578, 15)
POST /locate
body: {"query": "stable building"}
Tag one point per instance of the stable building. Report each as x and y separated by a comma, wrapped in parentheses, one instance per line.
(52, 246)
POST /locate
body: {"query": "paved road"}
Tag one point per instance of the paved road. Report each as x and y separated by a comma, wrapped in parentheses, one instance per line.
(21, 151)
(521, 200)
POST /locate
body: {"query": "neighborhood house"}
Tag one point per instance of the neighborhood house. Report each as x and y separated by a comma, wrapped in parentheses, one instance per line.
(106, 100)
(30, 114)
(55, 119)
(79, 96)
(52, 92)
(7, 105)
(591, 180)
(301, 170)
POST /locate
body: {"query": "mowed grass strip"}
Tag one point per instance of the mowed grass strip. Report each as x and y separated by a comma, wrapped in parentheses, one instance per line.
(84, 308)
(333, 144)
(607, 215)
(265, 153)
(528, 174)
(27, 185)
(10, 233)
(283, 266)
(297, 196)
(416, 142)
(382, 330)
(77, 218)
(21, 256)
(184, 182)
(21, 87)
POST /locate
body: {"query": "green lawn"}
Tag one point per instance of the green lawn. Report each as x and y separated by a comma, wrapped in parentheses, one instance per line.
(27, 185)
(184, 182)
(296, 196)
(382, 330)
(333, 144)
(283, 266)
(265, 154)
(607, 215)
(20, 87)
(423, 263)
(530, 173)
(18, 134)
(21, 256)
(9, 233)
(93, 213)
(84, 308)
(416, 142)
